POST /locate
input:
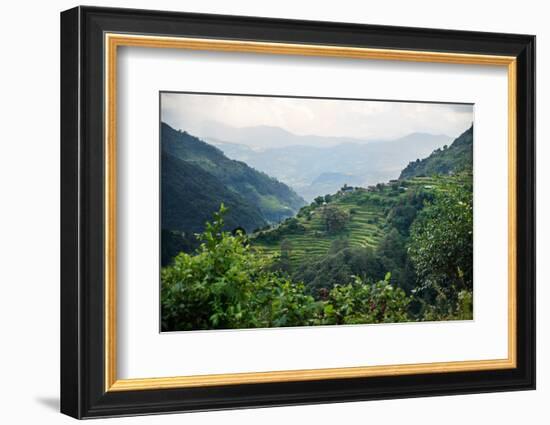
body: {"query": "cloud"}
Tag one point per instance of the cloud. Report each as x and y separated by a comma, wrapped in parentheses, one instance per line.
(325, 117)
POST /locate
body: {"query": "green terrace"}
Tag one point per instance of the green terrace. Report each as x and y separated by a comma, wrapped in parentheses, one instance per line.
(306, 234)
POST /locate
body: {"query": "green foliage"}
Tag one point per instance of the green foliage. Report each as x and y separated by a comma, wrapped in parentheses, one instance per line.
(189, 197)
(443, 307)
(294, 226)
(225, 285)
(402, 215)
(338, 266)
(335, 218)
(465, 305)
(360, 302)
(441, 247)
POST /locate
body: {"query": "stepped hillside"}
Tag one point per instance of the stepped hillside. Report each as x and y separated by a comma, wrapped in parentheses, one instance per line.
(367, 218)
(275, 200)
(360, 229)
(447, 160)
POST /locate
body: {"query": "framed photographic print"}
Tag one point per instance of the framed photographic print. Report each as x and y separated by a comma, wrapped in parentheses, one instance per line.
(261, 212)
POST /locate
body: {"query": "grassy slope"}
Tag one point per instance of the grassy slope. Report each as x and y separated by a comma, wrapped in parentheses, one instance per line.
(366, 226)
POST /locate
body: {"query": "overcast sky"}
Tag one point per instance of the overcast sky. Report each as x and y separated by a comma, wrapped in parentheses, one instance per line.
(359, 119)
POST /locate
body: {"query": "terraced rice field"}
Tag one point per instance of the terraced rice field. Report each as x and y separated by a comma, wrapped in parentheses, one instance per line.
(365, 227)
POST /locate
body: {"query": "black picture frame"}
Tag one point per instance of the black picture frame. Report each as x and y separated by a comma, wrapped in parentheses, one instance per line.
(83, 392)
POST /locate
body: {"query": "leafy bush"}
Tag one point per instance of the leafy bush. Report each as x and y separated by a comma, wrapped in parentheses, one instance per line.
(441, 249)
(338, 266)
(294, 226)
(444, 309)
(225, 285)
(360, 302)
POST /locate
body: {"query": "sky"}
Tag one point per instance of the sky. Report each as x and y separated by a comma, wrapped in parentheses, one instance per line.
(361, 119)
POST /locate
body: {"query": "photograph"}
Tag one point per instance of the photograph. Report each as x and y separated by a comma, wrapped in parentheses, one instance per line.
(279, 211)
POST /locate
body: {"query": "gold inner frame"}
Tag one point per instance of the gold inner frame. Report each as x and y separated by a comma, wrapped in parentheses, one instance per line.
(113, 41)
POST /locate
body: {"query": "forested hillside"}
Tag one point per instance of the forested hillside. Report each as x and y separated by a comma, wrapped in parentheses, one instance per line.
(274, 199)
(190, 195)
(447, 160)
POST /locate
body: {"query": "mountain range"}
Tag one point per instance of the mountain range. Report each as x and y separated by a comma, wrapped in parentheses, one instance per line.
(261, 137)
(312, 170)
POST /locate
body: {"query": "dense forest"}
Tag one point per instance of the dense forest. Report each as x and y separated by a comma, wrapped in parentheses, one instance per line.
(391, 252)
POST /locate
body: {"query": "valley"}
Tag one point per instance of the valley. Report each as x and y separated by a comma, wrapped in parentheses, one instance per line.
(361, 231)
(271, 226)
(312, 170)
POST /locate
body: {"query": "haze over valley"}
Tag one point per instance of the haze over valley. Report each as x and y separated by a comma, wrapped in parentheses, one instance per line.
(322, 165)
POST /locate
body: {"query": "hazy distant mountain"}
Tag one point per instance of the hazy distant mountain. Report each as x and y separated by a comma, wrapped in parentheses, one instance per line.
(329, 183)
(265, 137)
(362, 164)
